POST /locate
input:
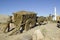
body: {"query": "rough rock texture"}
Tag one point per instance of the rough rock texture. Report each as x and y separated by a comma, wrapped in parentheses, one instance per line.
(37, 35)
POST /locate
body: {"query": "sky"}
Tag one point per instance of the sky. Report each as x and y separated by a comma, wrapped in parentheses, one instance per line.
(41, 7)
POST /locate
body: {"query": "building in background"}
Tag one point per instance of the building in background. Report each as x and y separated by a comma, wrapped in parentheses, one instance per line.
(56, 17)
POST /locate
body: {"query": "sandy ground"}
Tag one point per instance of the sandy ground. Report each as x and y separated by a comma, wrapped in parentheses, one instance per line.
(50, 32)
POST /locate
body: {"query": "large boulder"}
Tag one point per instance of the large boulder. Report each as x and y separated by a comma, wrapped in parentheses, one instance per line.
(37, 35)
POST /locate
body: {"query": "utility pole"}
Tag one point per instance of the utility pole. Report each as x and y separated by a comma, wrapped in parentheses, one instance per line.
(55, 13)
